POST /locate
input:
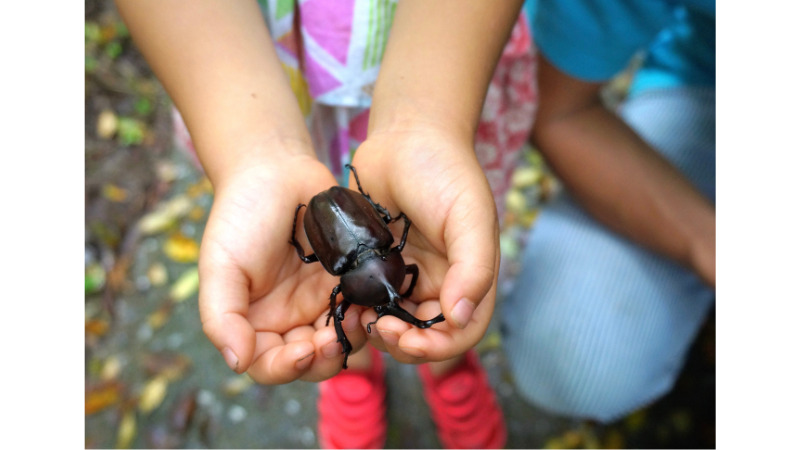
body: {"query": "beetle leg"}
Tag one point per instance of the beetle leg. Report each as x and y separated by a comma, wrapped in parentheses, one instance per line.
(393, 309)
(300, 252)
(402, 243)
(414, 271)
(331, 313)
(340, 336)
(387, 217)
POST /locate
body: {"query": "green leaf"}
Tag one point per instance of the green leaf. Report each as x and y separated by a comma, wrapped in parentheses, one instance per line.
(91, 63)
(95, 278)
(143, 106)
(92, 32)
(113, 49)
(130, 131)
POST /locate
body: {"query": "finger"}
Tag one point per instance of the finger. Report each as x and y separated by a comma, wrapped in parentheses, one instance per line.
(223, 303)
(388, 331)
(329, 351)
(443, 341)
(280, 362)
(472, 243)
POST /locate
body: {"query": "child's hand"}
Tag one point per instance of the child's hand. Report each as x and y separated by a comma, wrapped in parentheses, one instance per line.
(437, 182)
(261, 306)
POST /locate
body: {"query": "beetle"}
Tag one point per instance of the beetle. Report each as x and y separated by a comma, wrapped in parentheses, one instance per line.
(349, 235)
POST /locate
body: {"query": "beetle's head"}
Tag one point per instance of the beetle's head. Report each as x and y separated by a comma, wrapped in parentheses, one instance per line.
(375, 280)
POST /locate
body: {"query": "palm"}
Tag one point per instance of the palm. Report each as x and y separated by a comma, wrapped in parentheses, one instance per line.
(442, 189)
(272, 298)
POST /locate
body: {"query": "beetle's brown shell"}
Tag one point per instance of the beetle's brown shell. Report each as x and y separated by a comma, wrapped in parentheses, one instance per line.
(341, 223)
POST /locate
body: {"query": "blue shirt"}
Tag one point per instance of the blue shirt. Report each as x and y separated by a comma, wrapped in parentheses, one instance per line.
(594, 40)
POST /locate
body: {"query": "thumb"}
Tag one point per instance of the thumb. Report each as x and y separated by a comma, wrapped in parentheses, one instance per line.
(223, 302)
(472, 244)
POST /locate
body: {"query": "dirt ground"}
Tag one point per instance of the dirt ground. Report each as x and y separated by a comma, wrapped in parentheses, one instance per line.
(153, 380)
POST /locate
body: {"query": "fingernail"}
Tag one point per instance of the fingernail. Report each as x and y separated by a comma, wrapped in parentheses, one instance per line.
(389, 337)
(462, 312)
(304, 362)
(331, 349)
(413, 351)
(231, 359)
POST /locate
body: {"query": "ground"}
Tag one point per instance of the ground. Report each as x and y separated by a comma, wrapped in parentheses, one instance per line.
(153, 380)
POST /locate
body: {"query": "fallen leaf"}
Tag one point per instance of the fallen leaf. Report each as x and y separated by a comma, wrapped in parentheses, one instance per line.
(181, 248)
(157, 274)
(127, 430)
(237, 384)
(572, 438)
(183, 410)
(185, 286)
(153, 394)
(95, 278)
(171, 366)
(528, 218)
(111, 368)
(167, 171)
(554, 443)
(108, 32)
(635, 420)
(92, 31)
(614, 439)
(197, 213)
(516, 201)
(96, 327)
(107, 124)
(159, 317)
(102, 396)
(524, 177)
(203, 186)
(165, 215)
(130, 131)
(114, 193)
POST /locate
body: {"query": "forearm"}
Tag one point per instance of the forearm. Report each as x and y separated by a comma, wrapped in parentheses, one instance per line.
(438, 63)
(623, 182)
(218, 64)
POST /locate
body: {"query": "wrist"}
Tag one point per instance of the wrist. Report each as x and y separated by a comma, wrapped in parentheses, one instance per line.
(703, 253)
(253, 154)
(406, 117)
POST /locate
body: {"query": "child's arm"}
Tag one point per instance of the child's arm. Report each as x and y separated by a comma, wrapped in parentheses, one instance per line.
(218, 64)
(260, 306)
(617, 176)
(420, 157)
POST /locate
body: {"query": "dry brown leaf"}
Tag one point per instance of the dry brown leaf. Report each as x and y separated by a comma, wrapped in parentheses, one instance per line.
(159, 317)
(102, 396)
(183, 410)
(169, 365)
(96, 327)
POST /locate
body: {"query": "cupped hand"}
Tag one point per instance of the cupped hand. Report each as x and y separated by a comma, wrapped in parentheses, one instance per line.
(261, 306)
(435, 179)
